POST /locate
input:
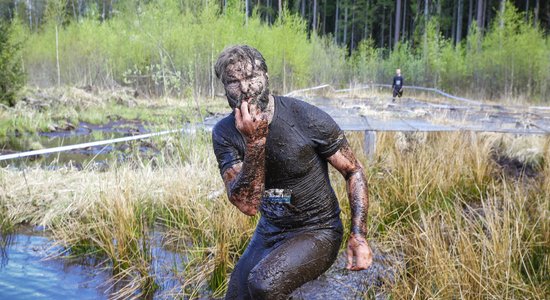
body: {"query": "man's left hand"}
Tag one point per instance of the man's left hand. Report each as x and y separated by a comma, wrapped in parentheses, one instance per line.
(358, 251)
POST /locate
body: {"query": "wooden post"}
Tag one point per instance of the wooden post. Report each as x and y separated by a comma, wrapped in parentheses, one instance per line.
(370, 144)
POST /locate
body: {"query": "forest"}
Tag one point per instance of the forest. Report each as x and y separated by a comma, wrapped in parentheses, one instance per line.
(485, 49)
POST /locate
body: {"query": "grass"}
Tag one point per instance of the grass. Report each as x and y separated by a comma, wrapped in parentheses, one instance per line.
(465, 226)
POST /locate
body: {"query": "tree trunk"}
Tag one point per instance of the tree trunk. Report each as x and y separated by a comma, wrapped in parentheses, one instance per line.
(389, 31)
(325, 17)
(268, 13)
(439, 14)
(303, 9)
(426, 6)
(352, 43)
(453, 22)
(470, 12)
(459, 21)
(484, 18)
(314, 24)
(346, 25)
(79, 9)
(425, 29)
(366, 33)
(74, 10)
(526, 10)
(397, 20)
(479, 12)
(29, 12)
(103, 11)
(280, 8)
(502, 10)
(537, 8)
(383, 27)
(404, 20)
(336, 21)
(246, 9)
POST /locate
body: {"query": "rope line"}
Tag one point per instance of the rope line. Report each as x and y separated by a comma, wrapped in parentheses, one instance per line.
(189, 130)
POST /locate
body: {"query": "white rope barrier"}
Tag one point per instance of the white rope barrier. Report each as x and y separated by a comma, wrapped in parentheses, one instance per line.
(412, 87)
(90, 144)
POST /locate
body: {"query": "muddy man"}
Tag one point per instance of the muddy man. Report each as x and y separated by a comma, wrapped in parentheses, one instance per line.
(272, 153)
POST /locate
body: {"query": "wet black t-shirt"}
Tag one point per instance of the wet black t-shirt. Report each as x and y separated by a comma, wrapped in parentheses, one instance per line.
(300, 138)
(397, 82)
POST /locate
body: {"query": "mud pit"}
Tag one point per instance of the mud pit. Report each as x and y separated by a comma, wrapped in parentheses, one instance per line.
(409, 114)
(340, 284)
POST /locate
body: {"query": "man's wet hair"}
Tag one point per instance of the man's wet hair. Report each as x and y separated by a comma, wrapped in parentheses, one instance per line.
(238, 53)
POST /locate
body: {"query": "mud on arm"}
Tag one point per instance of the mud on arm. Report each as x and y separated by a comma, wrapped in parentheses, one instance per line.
(244, 182)
(356, 185)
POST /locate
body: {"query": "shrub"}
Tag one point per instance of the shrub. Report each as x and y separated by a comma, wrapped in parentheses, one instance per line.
(11, 72)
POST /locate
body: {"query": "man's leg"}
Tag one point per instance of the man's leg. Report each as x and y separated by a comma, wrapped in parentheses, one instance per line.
(238, 283)
(296, 261)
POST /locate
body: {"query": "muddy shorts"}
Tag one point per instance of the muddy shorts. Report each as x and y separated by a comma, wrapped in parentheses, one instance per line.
(274, 265)
(397, 93)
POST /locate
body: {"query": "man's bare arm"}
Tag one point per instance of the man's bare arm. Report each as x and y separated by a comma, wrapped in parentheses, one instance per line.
(356, 184)
(244, 181)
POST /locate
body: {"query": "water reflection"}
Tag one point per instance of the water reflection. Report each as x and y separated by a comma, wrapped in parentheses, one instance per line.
(29, 271)
(25, 273)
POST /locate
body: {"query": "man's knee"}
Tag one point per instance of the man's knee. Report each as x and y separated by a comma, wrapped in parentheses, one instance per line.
(261, 287)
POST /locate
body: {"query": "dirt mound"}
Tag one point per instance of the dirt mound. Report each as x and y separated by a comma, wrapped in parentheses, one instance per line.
(340, 284)
(85, 97)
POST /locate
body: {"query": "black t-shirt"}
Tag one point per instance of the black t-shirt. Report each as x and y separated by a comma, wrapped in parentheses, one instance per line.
(397, 82)
(301, 137)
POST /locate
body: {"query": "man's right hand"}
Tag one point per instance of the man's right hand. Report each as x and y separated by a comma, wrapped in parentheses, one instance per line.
(251, 122)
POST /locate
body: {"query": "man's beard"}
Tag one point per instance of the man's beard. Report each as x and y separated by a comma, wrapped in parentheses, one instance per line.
(262, 100)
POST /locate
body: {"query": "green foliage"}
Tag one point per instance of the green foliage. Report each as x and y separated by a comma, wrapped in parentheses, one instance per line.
(170, 47)
(11, 73)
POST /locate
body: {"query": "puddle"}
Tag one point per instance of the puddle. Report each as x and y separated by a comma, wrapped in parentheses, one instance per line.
(96, 156)
(27, 271)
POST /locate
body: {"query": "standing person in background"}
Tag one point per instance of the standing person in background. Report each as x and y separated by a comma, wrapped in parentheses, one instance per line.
(273, 153)
(397, 85)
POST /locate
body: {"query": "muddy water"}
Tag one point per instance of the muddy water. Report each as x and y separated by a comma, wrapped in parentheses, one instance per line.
(27, 271)
(26, 274)
(95, 156)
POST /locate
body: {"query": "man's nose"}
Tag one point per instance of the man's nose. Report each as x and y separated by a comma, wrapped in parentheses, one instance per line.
(245, 86)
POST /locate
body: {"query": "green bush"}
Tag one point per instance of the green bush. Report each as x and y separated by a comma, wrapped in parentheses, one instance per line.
(11, 73)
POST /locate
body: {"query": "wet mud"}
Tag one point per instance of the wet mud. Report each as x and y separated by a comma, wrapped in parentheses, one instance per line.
(410, 114)
(338, 283)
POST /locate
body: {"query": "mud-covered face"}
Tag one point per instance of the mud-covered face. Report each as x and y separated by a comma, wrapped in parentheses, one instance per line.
(244, 82)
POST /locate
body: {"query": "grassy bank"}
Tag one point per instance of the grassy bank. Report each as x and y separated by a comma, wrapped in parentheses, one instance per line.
(458, 207)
